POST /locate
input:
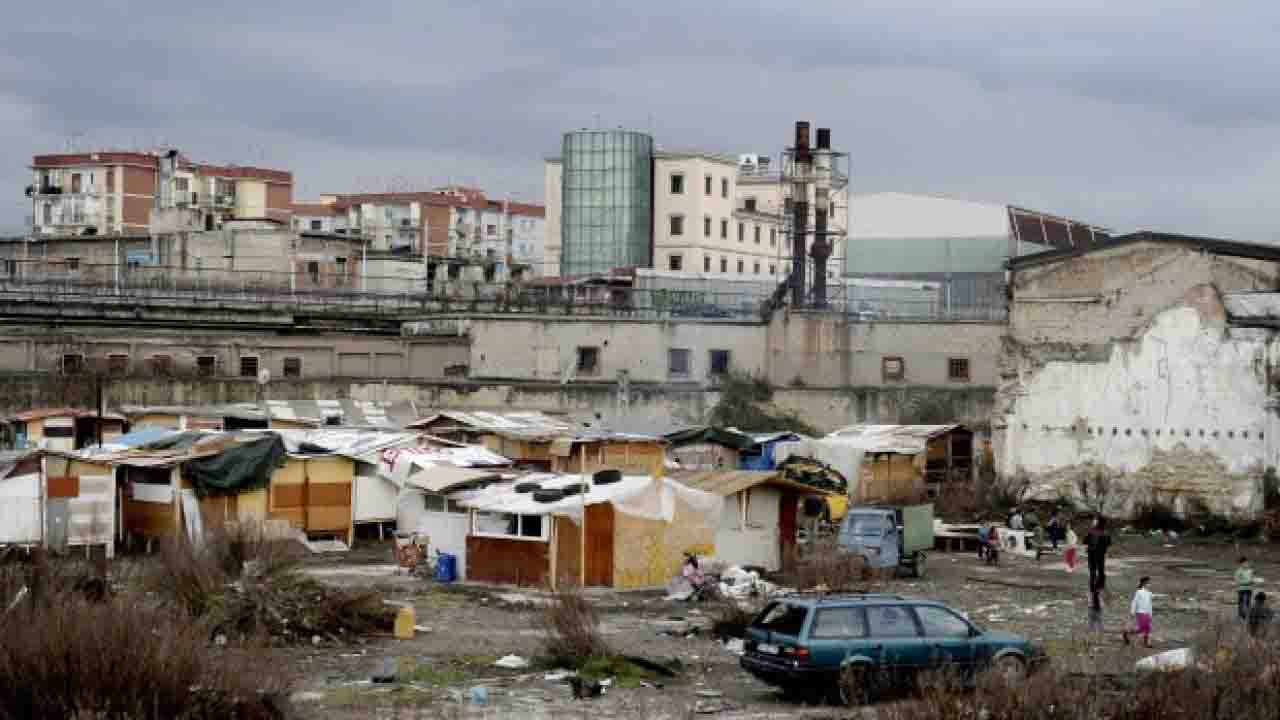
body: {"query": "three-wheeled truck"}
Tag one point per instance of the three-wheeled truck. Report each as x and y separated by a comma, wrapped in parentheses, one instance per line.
(889, 536)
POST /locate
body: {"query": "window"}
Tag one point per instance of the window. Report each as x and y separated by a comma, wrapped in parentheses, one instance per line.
(755, 268)
(938, 622)
(160, 365)
(706, 264)
(706, 226)
(73, 264)
(509, 526)
(773, 269)
(72, 364)
(773, 237)
(677, 224)
(675, 262)
(756, 231)
(46, 214)
(249, 366)
(724, 229)
(958, 369)
(488, 230)
(11, 268)
(117, 364)
(75, 182)
(317, 225)
(292, 367)
(892, 368)
(341, 278)
(847, 622)
(742, 232)
(741, 264)
(724, 265)
(181, 185)
(719, 362)
(724, 187)
(890, 622)
(111, 180)
(588, 360)
(749, 204)
(434, 502)
(782, 618)
(206, 365)
(677, 184)
(706, 182)
(313, 272)
(678, 361)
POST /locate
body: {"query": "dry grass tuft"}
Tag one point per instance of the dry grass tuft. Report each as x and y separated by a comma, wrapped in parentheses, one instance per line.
(572, 629)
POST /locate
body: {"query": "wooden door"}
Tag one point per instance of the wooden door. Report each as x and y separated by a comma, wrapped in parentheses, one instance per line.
(787, 518)
(600, 545)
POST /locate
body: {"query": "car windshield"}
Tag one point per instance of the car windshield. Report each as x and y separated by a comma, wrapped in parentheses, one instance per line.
(866, 525)
(782, 618)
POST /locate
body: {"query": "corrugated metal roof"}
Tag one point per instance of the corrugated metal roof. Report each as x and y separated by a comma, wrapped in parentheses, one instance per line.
(728, 482)
(535, 426)
(349, 413)
(1250, 307)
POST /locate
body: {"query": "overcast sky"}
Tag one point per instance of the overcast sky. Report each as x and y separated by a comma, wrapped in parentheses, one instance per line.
(1132, 114)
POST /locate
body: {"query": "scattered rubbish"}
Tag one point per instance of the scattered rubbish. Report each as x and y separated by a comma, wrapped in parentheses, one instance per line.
(607, 682)
(735, 646)
(479, 695)
(559, 675)
(22, 593)
(220, 640)
(709, 694)
(512, 662)
(520, 599)
(404, 623)
(583, 689)
(710, 707)
(323, 546)
(669, 670)
(651, 685)
(422, 628)
(1170, 661)
(306, 696)
(387, 674)
(315, 641)
(995, 619)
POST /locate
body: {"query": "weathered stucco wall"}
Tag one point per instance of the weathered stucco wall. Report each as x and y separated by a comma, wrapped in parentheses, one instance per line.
(1137, 378)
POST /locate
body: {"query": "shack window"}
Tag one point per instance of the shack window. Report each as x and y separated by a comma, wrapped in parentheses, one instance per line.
(678, 361)
(509, 526)
(719, 362)
(437, 503)
(117, 364)
(206, 365)
(892, 368)
(958, 369)
(72, 364)
(588, 360)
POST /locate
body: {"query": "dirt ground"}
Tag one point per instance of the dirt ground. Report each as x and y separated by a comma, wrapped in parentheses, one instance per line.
(471, 627)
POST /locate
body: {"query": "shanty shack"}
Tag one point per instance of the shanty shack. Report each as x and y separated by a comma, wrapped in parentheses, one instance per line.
(892, 463)
(22, 500)
(540, 441)
(80, 502)
(713, 448)
(761, 514)
(623, 531)
(62, 429)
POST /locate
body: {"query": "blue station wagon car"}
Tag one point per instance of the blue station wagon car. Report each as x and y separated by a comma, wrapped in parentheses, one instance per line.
(850, 646)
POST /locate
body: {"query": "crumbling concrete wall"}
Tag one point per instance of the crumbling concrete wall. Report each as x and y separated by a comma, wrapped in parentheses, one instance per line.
(1121, 364)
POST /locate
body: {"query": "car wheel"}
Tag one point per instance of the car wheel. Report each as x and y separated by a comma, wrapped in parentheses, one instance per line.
(1012, 669)
(853, 686)
(918, 566)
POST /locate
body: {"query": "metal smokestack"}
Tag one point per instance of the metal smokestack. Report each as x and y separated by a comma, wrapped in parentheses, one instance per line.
(801, 179)
(820, 251)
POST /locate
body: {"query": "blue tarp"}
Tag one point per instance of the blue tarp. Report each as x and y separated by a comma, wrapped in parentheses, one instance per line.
(144, 435)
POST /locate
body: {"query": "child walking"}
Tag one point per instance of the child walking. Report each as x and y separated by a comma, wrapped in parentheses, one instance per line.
(1244, 587)
(1141, 609)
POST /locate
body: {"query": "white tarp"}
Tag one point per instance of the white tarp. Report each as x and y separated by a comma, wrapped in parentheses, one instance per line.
(20, 520)
(416, 466)
(636, 495)
(355, 444)
(845, 449)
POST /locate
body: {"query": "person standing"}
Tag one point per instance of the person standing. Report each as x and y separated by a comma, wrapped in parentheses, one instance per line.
(1055, 528)
(1244, 587)
(993, 545)
(1140, 607)
(1095, 608)
(984, 530)
(1259, 617)
(1097, 543)
(1072, 554)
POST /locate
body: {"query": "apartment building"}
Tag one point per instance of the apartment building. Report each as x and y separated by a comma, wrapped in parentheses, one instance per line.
(613, 201)
(448, 222)
(115, 193)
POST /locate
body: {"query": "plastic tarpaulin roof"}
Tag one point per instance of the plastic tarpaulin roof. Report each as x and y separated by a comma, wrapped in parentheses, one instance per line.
(636, 495)
(362, 445)
(438, 469)
(844, 449)
(239, 467)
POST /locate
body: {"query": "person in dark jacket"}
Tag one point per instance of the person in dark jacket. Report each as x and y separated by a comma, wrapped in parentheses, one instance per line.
(1259, 616)
(1097, 542)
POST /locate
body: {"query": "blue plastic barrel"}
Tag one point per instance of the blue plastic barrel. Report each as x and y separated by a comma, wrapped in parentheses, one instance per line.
(446, 567)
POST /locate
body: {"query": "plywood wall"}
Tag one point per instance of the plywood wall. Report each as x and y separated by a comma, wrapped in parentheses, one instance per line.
(508, 562)
(649, 553)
